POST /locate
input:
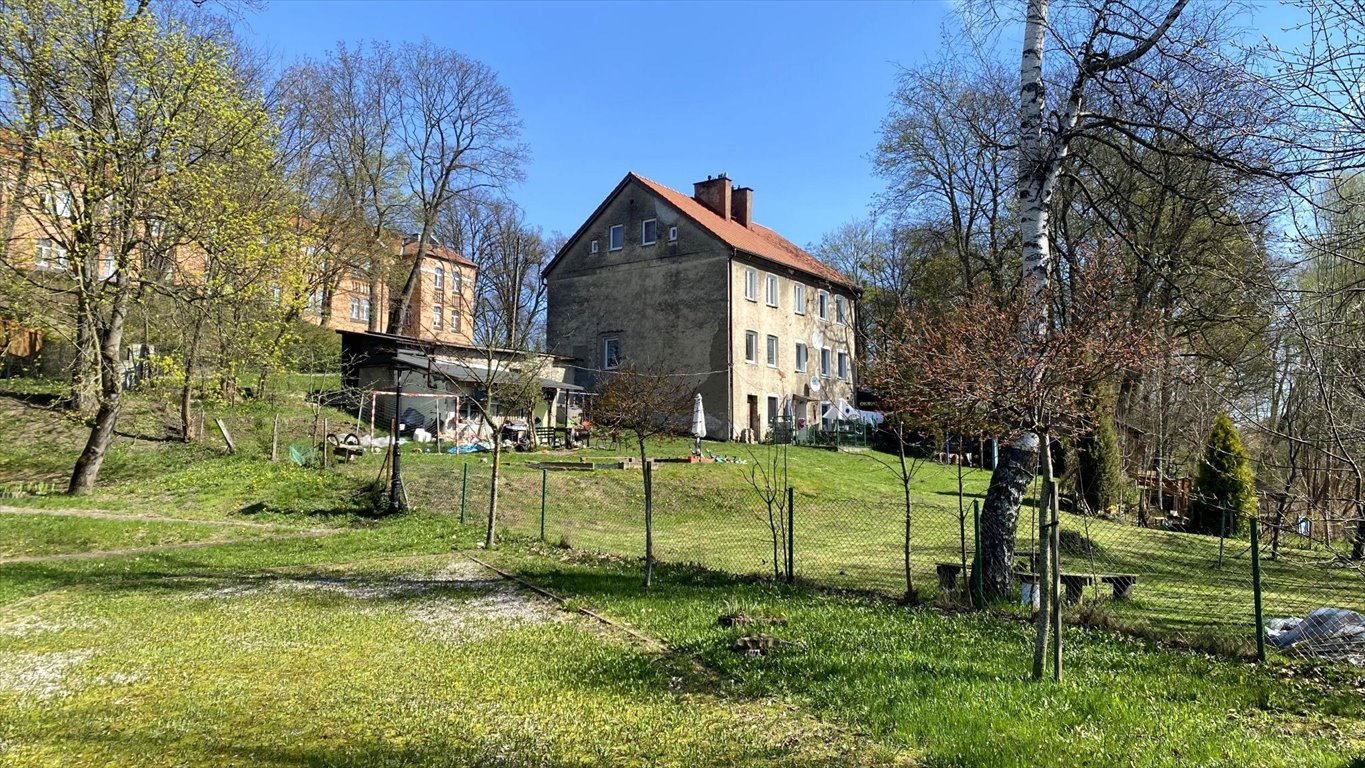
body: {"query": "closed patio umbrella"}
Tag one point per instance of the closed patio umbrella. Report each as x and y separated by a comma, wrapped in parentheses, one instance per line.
(698, 423)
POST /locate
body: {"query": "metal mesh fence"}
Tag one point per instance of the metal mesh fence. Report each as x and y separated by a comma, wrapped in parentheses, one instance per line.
(1184, 588)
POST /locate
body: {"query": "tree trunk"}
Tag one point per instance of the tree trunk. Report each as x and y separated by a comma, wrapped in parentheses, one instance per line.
(910, 595)
(1000, 514)
(489, 537)
(648, 474)
(187, 383)
(87, 468)
(85, 369)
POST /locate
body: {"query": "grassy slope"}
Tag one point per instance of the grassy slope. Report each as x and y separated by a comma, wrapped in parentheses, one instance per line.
(953, 689)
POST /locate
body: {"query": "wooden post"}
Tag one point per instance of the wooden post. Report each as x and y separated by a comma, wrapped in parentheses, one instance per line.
(326, 447)
(226, 437)
(275, 438)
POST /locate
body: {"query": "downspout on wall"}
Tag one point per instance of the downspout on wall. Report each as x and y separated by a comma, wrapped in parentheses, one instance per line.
(730, 346)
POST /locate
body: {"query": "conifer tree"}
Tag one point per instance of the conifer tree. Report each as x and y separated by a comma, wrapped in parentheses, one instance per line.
(1224, 486)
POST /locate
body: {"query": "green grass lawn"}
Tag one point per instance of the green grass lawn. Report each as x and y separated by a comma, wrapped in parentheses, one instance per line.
(34, 534)
(953, 689)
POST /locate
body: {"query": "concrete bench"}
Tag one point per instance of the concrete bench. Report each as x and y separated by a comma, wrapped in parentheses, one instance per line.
(1122, 584)
(1076, 583)
(947, 575)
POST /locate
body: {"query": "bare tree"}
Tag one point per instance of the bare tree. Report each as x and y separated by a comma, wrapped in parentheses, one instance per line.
(645, 404)
(458, 136)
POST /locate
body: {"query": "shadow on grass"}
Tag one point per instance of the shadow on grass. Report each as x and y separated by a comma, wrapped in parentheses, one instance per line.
(37, 399)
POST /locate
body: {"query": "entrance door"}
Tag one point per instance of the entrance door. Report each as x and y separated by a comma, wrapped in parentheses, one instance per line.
(754, 423)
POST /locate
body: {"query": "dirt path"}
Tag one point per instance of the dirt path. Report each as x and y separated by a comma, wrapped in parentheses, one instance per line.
(165, 547)
(96, 514)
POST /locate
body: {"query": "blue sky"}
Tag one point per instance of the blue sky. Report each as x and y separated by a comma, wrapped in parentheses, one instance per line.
(784, 97)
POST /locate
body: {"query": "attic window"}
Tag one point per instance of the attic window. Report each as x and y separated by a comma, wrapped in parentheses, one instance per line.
(616, 237)
(592, 247)
(672, 234)
(649, 232)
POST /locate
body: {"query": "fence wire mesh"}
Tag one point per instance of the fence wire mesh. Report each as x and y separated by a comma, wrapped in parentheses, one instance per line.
(1188, 589)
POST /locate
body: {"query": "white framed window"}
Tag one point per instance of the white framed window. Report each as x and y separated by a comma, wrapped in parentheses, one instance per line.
(843, 366)
(770, 290)
(802, 353)
(772, 351)
(592, 246)
(822, 304)
(672, 234)
(799, 298)
(611, 353)
(364, 310)
(107, 266)
(438, 316)
(751, 346)
(616, 237)
(456, 280)
(455, 320)
(355, 308)
(751, 285)
(825, 362)
(840, 310)
(42, 254)
(438, 279)
(649, 232)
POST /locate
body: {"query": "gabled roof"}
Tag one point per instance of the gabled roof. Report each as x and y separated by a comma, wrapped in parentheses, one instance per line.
(435, 251)
(756, 239)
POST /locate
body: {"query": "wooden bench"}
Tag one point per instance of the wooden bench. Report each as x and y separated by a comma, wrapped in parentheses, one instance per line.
(947, 575)
(546, 436)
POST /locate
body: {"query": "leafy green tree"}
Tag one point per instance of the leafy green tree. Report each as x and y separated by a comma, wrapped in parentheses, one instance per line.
(1224, 484)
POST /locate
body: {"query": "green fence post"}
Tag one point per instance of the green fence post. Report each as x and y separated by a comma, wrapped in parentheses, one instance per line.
(1256, 586)
(464, 486)
(791, 535)
(978, 593)
(544, 479)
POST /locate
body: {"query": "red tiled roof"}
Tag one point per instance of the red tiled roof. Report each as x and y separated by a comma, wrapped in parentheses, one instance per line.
(755, 239)
(438, 252)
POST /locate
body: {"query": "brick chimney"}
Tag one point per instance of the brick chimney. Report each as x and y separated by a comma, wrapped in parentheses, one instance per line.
(714, 194)
(742, 206)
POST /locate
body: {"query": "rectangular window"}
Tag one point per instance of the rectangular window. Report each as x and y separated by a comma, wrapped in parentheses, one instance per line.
(773, 405)
(616, 237)
(611, 353)
(822, 304)
(649, 232)
(439, 279)
(843, 366)
(355, 308)
(438, 316)
(364, 310)
(42, 254)
(751, 346)
(799, 298)
(770, 290)
(592, 247)
(772, 351)
(750, 285)
(840, 310)
(455, 320)
(801, 354)
(672, 234)
(455, 280)
(824, 363)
